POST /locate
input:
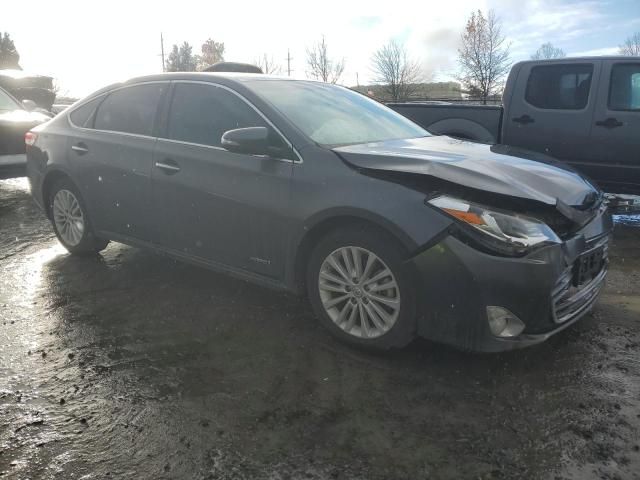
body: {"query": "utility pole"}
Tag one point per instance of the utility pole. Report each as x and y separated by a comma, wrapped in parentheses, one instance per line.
(357, 80)
(288, 63)
(162, 50)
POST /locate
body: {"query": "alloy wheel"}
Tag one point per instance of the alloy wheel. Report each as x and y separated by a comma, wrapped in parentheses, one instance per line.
(68, 217)
(359, 292)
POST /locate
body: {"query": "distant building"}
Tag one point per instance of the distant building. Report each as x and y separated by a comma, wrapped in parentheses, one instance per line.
(424, 91)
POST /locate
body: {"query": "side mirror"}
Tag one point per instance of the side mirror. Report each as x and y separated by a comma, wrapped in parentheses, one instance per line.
(29, 105)
(251, 140)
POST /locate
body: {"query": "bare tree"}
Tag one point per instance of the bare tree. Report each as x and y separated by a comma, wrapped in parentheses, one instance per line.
(484, 54)
(395, 71)
(268, 65)
(631, 46)
(211, 52)
(321, 66)
(548, 51)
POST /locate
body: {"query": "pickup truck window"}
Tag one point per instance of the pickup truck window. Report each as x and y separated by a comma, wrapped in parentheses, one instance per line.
(559, 87)
(624, 88)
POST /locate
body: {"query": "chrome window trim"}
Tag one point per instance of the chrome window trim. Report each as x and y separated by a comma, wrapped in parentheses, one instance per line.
(213, 147)
(169, 82)
(264, 117)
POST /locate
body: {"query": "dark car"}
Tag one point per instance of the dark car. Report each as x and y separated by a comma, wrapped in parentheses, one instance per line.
(305, 186)
(28, 86)
(15, 121)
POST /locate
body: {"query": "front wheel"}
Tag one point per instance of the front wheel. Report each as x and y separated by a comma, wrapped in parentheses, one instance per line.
(70, 220)
(361, 290)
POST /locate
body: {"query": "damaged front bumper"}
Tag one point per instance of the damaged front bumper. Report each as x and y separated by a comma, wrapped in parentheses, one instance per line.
(547, 290)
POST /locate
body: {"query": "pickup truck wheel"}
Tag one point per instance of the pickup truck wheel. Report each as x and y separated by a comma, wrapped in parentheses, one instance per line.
(70, 220)
(360, 289)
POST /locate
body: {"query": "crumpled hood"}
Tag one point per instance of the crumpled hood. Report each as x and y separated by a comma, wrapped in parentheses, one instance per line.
(498, 169)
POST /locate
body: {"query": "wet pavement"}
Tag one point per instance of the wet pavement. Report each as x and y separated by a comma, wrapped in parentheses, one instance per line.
(130, 365)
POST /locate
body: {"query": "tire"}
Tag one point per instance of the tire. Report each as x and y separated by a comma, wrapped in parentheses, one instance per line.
(325, 287)
(70, 220)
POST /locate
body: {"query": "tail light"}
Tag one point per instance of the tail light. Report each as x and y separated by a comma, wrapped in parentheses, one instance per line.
(30, 138)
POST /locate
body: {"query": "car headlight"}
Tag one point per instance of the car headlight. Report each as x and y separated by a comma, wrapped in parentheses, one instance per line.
(503, 232)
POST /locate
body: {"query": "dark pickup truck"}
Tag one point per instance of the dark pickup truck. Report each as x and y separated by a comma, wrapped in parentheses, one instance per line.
(584, 111)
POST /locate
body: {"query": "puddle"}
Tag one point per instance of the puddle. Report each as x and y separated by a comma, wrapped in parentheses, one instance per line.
(627, 220)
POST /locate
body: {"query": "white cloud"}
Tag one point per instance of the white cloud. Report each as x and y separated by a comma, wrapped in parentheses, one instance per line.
(87, 46)
(596, 52)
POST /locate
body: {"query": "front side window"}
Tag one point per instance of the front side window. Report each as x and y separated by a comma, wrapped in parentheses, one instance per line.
(332, 115)
(624, 89)
(130, 109)
(203, 113)
(559, 87)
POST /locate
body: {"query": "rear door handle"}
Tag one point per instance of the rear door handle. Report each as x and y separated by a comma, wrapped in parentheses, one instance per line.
(609, 123)
(80, 148)
(168, 166)
(523, 120)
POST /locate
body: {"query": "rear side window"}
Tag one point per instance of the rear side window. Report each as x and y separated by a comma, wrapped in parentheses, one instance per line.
(624, 88)
(130, 110)
(559, 87)
(82, 116)
(202, 113)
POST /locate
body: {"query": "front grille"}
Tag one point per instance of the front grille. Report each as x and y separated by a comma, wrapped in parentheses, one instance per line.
(578, 286)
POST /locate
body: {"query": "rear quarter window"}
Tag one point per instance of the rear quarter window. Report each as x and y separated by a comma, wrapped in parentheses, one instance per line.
(83, 115)
(559, 87)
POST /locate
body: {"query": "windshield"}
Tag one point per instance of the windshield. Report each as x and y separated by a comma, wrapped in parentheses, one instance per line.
(332, 115)
(7, 103)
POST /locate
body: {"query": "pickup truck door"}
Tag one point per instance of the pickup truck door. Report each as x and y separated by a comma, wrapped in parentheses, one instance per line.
(551, 110)
(615, 133)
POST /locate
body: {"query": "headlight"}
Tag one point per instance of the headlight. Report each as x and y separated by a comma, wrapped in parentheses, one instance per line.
(503, 232)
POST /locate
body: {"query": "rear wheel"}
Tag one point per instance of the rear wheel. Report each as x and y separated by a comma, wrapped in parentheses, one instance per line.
(70, 221)
(361, 290)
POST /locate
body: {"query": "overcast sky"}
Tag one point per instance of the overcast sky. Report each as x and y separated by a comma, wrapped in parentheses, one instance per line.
(86, 47)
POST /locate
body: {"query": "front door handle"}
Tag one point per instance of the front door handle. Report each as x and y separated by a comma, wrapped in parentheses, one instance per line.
(168, 166)
(523, 120)
(609, 123)
(80, 148)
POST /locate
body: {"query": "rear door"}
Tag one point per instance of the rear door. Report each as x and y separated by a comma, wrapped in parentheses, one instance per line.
(221, 207)
(551, 110)
(112, 154)
(616, 128)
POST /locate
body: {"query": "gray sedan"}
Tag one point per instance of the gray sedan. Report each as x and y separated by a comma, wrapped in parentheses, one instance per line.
(391, 232)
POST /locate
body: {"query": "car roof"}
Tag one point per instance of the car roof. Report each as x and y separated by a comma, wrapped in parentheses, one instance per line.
(231, 77)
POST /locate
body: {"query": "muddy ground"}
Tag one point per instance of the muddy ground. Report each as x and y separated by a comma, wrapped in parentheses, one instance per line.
(133, 366)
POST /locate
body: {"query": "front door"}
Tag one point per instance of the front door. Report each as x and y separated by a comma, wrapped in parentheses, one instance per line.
(551, 110)
(615, 131)
(221, 207)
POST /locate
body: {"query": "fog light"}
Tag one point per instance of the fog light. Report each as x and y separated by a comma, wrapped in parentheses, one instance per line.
(503, 323)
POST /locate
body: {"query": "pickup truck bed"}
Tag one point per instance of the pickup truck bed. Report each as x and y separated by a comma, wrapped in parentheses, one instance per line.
(481, 123)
